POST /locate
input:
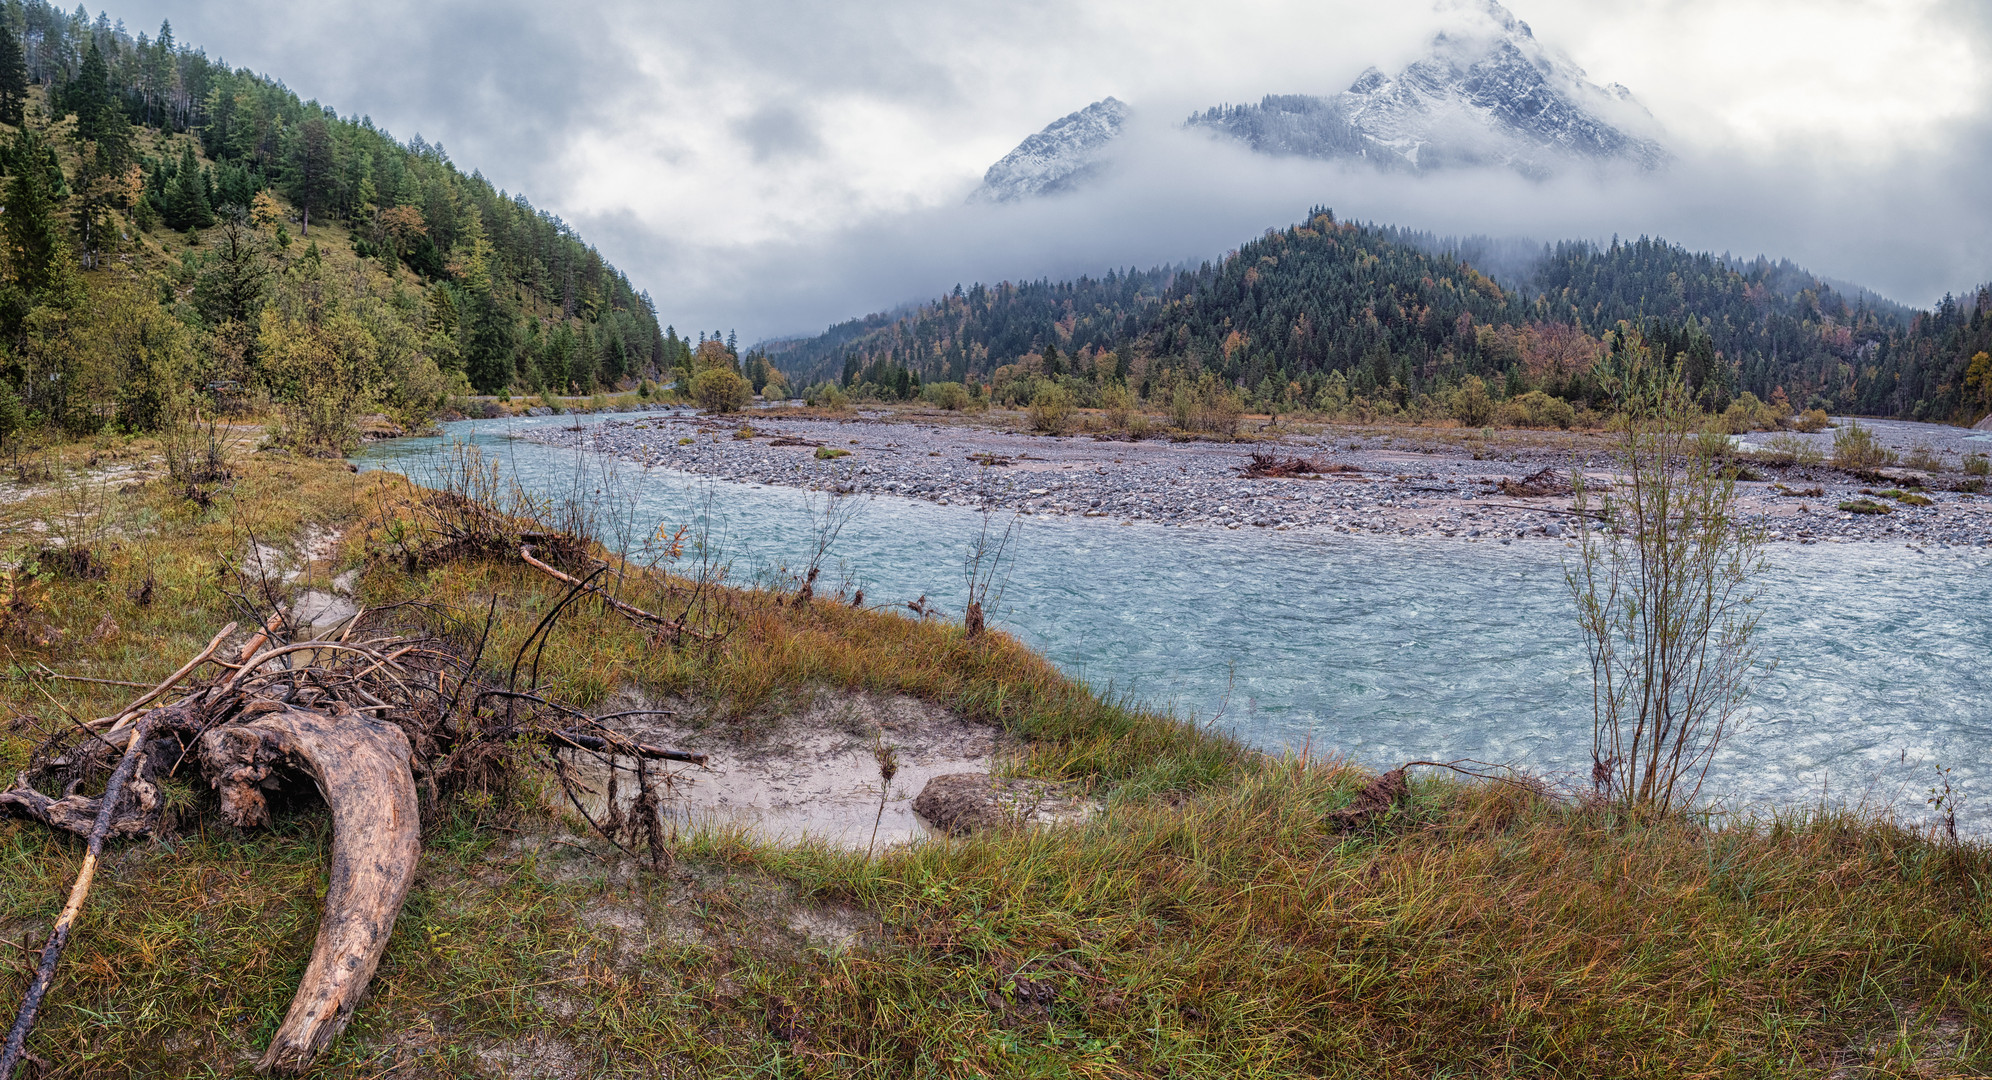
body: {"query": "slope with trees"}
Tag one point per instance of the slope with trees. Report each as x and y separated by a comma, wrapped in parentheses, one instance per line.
(245, 238)
(1329, 311)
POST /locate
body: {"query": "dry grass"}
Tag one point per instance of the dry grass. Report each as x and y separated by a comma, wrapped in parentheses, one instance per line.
(1214, 922)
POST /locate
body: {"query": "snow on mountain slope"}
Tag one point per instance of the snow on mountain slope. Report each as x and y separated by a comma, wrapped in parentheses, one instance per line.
(1058, 157)
(1490, 93)
(1486, 94)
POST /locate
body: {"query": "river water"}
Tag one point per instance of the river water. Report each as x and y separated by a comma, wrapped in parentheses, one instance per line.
(1381, 650)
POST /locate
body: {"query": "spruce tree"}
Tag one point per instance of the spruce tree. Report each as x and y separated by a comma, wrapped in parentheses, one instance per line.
(89, 96)
(492, 340)
(230, 289)
(38, 264)
(187, 205)
(13, 79)
(311, 167)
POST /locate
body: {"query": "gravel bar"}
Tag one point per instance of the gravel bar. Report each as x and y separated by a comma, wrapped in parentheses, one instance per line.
(1399, 489)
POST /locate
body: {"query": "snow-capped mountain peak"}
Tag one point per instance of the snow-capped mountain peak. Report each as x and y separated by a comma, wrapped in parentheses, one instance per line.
(1488, 92)
(1057, 158)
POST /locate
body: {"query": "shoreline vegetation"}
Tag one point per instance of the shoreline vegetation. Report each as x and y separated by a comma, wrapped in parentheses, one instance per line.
(1226, 912)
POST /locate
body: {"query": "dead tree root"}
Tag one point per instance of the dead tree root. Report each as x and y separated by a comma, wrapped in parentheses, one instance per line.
(361, 766)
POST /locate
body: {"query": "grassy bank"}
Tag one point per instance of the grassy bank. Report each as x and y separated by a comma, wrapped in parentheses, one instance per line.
(1214, 921)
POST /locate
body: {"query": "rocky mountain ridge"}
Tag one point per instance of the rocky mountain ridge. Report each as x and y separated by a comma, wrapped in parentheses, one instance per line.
(1057, 158)
(1486, 94)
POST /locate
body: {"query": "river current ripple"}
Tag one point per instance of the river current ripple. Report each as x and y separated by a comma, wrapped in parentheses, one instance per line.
(1384, 650)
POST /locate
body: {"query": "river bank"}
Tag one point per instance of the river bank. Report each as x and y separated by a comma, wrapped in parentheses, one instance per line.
(1407, 483)
(1220, 915)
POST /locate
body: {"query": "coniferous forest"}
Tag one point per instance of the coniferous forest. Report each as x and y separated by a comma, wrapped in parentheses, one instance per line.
(1327, 311)
(180, 232)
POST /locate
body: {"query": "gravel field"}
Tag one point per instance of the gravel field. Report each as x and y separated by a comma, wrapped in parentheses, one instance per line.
(1408, 482)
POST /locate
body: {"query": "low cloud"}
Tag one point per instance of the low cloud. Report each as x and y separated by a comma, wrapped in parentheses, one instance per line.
(1910, 232)
(777, 165)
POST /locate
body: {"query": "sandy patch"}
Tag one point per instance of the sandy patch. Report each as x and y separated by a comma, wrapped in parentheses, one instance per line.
(813, 776)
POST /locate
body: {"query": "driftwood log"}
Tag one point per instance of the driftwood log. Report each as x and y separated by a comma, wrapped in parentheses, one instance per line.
(361, 767)
(358, 719)
(135, 815)
(676, 628)
(16, 1045)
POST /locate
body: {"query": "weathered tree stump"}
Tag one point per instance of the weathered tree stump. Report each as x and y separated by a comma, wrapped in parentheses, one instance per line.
(361, 767)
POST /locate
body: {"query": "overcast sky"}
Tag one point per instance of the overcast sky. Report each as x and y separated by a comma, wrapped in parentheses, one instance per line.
(772, 166)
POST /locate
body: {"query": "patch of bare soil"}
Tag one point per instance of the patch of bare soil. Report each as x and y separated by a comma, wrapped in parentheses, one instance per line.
(813, 775)
(534, 1057)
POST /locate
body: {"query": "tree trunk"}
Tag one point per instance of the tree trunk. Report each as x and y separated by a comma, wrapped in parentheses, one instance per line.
(360, 765)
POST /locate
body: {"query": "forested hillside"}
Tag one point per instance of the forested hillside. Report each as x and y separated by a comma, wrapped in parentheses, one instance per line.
(1355, 310)
(198, 231)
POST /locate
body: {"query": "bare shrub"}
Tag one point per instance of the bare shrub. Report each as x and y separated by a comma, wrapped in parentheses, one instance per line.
(196, 447)
(982, 571)
(827, 520)
(78, 521)
(1663, 585)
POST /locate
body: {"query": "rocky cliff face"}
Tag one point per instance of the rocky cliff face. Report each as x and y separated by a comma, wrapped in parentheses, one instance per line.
(1057, 158)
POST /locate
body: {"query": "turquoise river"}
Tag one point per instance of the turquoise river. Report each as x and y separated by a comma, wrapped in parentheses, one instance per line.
(1381, 650)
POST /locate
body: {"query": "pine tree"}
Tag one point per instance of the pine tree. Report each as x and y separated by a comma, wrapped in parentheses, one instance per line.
(310, 167)
(38, 263)
(13, 79)
(89, 96)
(187, 205)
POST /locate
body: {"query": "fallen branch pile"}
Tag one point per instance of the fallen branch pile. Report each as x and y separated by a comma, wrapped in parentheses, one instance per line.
(1537, 484)
(1274, 467)
(369, 721)
(1389, 791)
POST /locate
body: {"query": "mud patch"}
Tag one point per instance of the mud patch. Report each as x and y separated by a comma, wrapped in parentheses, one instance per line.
(960, 803)
(626, 927)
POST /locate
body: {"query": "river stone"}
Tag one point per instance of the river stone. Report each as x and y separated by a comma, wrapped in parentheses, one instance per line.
(960, 803)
